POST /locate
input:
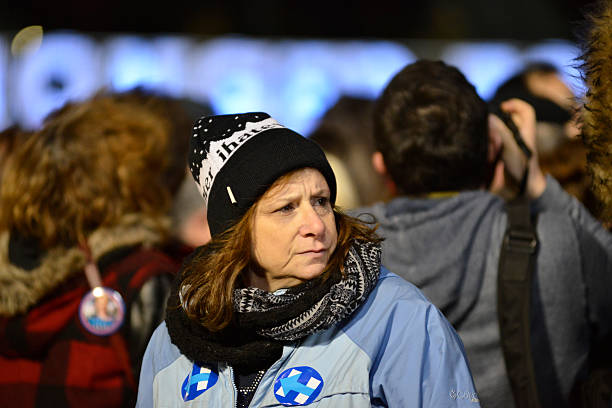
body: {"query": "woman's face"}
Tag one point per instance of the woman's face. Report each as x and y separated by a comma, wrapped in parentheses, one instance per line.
(294, 231)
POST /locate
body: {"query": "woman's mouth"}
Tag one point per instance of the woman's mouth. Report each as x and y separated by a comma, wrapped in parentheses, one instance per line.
(313, 251)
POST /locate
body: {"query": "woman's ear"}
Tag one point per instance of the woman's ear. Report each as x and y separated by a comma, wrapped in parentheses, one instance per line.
(378, 162)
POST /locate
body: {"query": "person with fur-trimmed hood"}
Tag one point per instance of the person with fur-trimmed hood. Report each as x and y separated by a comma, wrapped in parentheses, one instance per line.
(82, 283)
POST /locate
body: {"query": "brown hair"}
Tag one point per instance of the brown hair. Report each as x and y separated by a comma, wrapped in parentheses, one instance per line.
(10, 138)
(90, 164)
(210, 279)
(180, 114)
(430, 119)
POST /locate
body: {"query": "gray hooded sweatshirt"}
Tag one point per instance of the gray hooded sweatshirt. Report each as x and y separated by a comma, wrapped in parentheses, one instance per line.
(450, 247)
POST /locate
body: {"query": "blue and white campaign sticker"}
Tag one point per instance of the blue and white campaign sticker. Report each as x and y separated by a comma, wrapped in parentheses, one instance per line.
(102, 311)
(197, 382)
(298, 386)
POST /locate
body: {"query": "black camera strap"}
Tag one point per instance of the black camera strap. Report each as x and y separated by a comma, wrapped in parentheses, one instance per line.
(514, 287)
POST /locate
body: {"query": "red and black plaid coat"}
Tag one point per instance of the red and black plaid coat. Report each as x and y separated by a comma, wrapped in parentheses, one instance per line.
(48, 359)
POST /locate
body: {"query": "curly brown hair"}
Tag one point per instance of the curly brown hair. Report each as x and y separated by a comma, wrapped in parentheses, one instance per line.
(209, 279)
(89, 164)
(10, 138)
(597, 126)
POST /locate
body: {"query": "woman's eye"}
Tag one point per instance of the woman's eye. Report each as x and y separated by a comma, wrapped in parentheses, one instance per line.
(286, 208)
(322, 201)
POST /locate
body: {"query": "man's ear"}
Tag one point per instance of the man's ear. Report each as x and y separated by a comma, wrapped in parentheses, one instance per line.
(378, 162)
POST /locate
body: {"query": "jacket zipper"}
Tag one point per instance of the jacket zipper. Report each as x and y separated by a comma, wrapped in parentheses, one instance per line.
(231, 370)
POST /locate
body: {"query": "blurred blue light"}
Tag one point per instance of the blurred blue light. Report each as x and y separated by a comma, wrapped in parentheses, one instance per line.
(308, 93)
(157, 64)
(229, 72)
(172, 53)
(306, 84)
(4, 53)
(132, 62)
(295, 81)
(240, 90)
(65, 67)
(364, 68)
(485, 65)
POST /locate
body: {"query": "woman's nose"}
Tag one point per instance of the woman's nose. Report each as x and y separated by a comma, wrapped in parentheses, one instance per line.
(311, 222)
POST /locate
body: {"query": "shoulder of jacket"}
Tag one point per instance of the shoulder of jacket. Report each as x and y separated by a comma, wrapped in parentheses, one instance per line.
(161, 350)
(392, 299)
(392, 288)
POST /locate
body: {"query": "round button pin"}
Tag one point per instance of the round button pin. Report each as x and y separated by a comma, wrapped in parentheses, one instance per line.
(102, 311)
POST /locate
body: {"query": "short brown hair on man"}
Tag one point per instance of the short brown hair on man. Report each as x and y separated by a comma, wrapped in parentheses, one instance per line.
(432, 129)
(90, 164)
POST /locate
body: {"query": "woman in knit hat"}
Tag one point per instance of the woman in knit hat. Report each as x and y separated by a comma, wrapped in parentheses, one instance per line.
(289, 304)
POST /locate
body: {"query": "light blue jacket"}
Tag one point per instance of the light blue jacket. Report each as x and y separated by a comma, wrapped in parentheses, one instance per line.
(397, 350)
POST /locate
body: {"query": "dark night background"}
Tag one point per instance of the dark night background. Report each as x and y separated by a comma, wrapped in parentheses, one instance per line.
(427, 19)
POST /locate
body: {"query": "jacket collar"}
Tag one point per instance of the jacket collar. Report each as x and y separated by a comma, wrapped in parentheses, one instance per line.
(21, 288)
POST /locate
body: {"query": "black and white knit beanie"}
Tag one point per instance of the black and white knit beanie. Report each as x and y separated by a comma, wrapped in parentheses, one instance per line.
(235, 158)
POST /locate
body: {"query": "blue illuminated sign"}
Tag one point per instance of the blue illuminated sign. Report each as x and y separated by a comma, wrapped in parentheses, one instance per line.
(295, 81)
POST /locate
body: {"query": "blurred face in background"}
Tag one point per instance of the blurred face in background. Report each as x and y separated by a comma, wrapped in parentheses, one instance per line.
(550, 86)
(293, 232)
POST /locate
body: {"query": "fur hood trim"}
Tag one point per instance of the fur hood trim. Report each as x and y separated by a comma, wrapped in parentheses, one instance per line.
(597, 129)
(21, 289)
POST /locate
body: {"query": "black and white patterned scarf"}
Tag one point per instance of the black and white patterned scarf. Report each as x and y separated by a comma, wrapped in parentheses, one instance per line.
(339, 298)
(264, 320)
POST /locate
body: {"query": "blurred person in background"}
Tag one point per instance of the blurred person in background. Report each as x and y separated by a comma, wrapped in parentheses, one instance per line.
(189, 228)
(567, 163)
(540, 84)
(189, 221)
(345, 134)
(562, 152)
(444, 230)
(289, 303)
(83, 213)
